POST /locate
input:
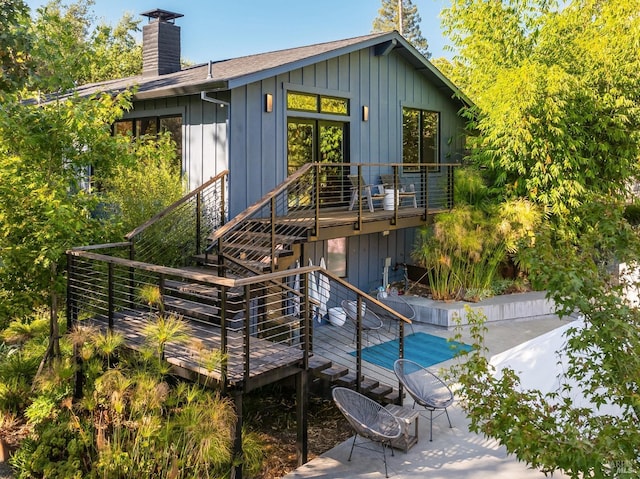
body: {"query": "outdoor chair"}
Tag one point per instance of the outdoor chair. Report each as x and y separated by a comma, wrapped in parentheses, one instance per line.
(404, 191)
(399, 305)
(370, 192)
(426, 389)
(368, 419)
(369, 320)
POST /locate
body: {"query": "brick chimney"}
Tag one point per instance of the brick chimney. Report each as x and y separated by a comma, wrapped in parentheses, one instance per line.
(160, 43)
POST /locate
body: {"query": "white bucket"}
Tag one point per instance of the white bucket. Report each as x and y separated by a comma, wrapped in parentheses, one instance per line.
(390, 198)
(337, 316)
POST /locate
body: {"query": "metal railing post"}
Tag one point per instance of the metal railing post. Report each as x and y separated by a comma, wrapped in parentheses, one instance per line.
(224, 366)
(247, 333)
(360, 185)
(359, 343)
(110, 289)
(132, 284)
(198, 221)
(72, 314)
(274, 262)
(424, 174)
(317, 200)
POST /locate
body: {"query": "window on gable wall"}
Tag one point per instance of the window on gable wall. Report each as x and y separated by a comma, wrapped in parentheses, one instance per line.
(420, 137)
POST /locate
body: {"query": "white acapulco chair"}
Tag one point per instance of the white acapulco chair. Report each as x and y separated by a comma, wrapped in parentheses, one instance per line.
(426, 389)
(368, 419)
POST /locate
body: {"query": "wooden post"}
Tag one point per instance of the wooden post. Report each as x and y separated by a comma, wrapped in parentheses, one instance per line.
(302, 442)
(238, 458)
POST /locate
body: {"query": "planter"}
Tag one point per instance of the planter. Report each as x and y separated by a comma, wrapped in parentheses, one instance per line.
(497, 308)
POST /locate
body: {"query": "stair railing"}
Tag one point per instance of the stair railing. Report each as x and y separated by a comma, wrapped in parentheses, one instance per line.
(178, 233)
(254, 239)
(263, 325)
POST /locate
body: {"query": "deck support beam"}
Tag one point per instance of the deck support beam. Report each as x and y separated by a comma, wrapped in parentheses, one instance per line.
(302, 437)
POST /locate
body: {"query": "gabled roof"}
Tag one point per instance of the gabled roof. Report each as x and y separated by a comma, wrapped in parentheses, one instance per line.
(235, 72)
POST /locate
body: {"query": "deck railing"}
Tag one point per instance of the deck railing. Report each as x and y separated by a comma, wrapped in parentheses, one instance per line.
(298, 208)
(175, 235)
(266, 326)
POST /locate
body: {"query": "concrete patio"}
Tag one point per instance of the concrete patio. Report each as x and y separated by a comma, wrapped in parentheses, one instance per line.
(454, 453)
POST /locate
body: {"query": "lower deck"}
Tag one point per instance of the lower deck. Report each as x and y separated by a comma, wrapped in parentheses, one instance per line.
(191, 358)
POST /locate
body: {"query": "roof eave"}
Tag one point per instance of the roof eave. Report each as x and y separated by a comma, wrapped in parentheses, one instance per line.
(181, 90)
(310, 60)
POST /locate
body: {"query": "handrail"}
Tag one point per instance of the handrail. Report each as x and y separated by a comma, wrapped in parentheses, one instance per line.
(98, 294)
(260, 203)
(174, 205)
(92, 247)
(187, 274)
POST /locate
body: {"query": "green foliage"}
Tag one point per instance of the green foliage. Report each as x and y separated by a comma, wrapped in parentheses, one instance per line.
(115, 53)
(146, 181)
(44, 152)
(387, 20)
(464, 248)
(557, 95)
(70, 52)
(632, 214)
(15, 45)
(602, 357)
(131, 421)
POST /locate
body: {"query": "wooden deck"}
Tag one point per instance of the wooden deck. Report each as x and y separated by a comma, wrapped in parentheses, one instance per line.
(336, 222)
(267, 359)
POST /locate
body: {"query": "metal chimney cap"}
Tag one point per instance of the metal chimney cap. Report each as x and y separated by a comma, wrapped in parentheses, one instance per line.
(161, 15)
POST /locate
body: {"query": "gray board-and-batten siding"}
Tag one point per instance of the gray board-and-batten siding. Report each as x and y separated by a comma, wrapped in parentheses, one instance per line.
(257, 146)
(251, 143)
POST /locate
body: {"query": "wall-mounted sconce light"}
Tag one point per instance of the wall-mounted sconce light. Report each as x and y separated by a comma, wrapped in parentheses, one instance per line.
(268, 103)
(365, 113)
(385, 233)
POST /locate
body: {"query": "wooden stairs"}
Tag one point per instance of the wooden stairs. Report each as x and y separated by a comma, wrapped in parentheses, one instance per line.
(251, 247)
(327, 375)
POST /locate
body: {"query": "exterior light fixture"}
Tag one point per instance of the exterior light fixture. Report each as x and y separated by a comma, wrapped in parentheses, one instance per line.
(365, 113)
(268, 103)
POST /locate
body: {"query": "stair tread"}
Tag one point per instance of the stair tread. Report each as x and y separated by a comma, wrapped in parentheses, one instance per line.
(348, 380)
(332, 373)
(265, 250)
(380, 391)
(318, 364)
(190, 308)
(368, 384)
(280, 238)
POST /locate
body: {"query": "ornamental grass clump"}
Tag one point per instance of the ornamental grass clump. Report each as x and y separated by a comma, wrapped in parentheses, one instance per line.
(134, 419)
(464, 248)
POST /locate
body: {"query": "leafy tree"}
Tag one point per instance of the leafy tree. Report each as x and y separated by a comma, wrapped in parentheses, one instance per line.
(557, 92)
(70, 53)
(15, 44)
(544, 429)
(45, 151)
(557, 120)
(388, 20)
(115, 53)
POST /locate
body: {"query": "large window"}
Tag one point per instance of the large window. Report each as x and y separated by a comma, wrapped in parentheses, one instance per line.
(420, 136)
(150, 126)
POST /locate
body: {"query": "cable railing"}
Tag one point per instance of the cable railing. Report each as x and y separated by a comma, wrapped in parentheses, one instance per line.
(177, 234)
(321, 195)
(264, 326)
